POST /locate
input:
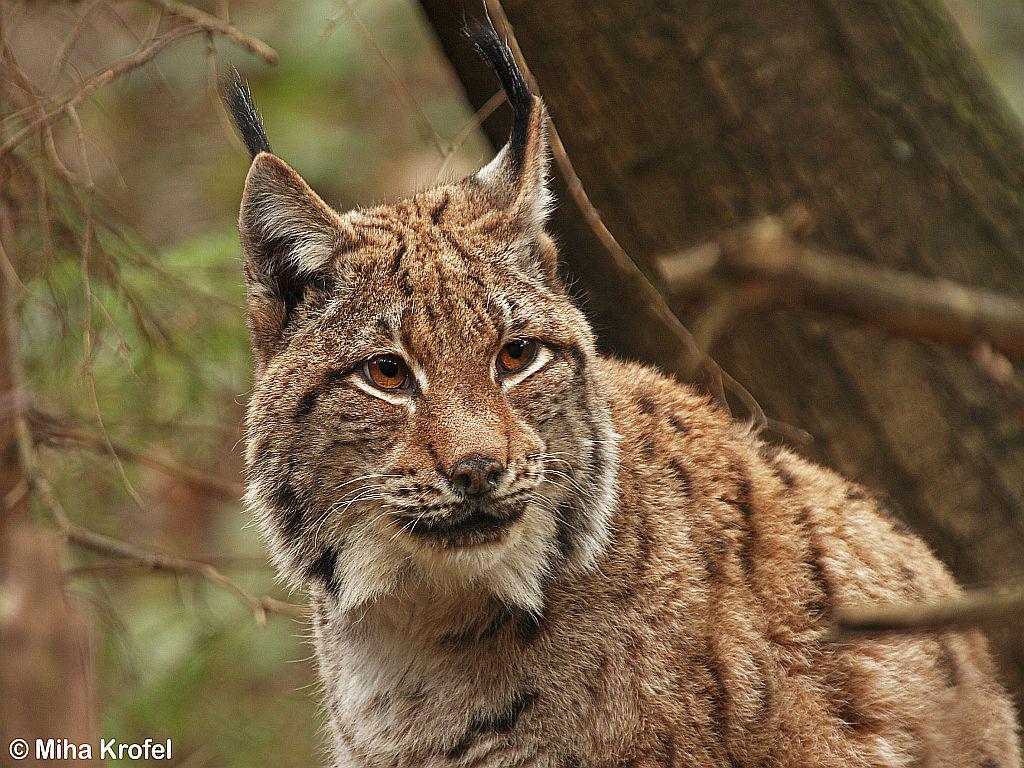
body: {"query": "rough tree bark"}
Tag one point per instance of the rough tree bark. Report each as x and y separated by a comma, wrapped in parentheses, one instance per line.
(687, 118)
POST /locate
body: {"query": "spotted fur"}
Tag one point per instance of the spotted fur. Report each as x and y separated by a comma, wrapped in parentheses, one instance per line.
(660, 584)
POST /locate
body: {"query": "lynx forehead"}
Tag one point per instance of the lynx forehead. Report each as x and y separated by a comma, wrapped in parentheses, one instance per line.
(423, 412)
(521, 553)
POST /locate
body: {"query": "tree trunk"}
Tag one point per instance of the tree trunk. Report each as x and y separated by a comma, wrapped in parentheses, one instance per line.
(47, 645)
(686, 118)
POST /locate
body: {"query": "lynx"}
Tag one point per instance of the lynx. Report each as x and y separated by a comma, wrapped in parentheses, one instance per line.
(521, 553)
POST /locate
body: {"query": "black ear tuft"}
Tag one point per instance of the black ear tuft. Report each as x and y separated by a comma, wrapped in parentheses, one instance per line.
(499, 57)
(247, 119)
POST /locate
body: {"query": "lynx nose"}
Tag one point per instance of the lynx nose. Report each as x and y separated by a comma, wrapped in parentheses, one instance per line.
(476, 475)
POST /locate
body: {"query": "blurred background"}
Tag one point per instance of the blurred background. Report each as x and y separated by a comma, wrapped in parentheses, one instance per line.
(138, 376)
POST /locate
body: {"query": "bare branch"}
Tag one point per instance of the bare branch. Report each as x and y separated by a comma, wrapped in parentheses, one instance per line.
(50, 431)
(141, 56)
(218, 26)
(159, 561)
(973, 609)
(796, 274)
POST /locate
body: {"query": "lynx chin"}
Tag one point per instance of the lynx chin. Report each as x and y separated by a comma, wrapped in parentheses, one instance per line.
(522, 553)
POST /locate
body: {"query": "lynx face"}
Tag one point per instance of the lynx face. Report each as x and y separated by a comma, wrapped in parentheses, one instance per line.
(422, 414)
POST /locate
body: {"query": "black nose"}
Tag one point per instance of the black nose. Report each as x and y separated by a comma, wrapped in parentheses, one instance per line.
(476, 475)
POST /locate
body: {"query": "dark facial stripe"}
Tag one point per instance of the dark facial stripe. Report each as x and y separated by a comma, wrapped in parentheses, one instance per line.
(322, 570)
(309, 399)
(289, 511)
(307, 403)
(500, 722)
(565, 527)
(478, 633)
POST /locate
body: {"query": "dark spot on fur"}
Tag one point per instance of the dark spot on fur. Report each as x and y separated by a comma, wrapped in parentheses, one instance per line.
(773, 456)
(529, 625)
(682, 476)
(571, 762)
(500, 722)
(718, 695)
(788, 478)
(650, 447)
(405, 285)
(816, 565)
(307, 403)
(438, 210)
(565, 525)
(322, 569)
(396, 261)
(948, 665)
(743, 496)
(678, 424)
(744, 504)
(666, 751)
(856, 493)
(647, 405)
(885, 509)
(286, 501)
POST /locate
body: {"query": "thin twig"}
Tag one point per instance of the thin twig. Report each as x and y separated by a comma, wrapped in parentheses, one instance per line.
(471, 125)
(426, 128)
(140, 57)
(49, 431)
(159, 561)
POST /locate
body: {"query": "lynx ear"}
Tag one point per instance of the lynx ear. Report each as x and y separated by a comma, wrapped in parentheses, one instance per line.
(290, 238)
(517, 176)
(289, 235)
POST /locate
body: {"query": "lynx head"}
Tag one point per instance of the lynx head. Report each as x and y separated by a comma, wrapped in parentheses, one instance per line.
(424, 414)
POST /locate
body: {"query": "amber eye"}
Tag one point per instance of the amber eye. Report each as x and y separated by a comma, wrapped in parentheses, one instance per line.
(516, 355)
(387, 372)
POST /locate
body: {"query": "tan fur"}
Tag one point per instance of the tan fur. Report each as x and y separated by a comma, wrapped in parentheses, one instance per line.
(663, 595)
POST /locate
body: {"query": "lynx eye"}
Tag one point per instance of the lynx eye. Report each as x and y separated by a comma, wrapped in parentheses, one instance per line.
(387, 372)
(516, 355)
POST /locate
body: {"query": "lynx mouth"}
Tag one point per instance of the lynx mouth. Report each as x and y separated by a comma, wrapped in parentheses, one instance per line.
(478, 524)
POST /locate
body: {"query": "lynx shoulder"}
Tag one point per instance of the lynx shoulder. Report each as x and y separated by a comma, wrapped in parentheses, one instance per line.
(521, 553)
